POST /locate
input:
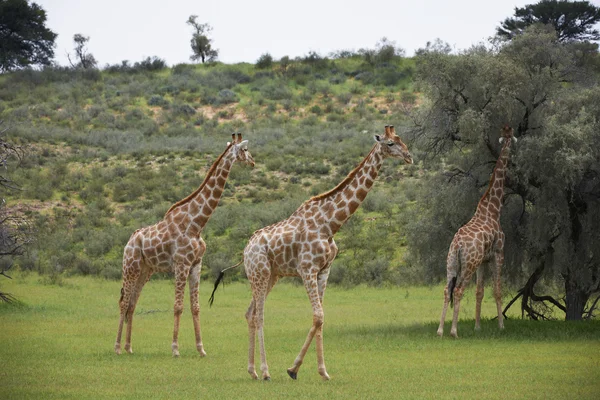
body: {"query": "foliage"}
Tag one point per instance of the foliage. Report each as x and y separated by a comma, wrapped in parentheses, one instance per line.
(202, 47)
(24, 36)
(573, 20)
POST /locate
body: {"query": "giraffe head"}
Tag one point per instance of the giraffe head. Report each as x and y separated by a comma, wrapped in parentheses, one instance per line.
(240, 149)
(507, 133)
(392, 146)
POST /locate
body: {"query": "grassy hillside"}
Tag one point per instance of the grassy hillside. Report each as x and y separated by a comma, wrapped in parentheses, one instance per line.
(60, 345)
(111, 150)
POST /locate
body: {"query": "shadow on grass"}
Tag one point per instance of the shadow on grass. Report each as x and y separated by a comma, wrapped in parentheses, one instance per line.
(515, 330)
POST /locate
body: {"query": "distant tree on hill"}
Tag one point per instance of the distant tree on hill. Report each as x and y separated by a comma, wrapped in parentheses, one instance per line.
(201, 44)
(265, 61)
(24, 38)
(385, 50)
(573, 20)
(84, 59)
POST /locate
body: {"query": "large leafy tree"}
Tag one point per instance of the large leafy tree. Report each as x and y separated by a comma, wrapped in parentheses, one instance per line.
(573, 20)
(15, 232)
(24, 38)
(202, 48)
(552, 196)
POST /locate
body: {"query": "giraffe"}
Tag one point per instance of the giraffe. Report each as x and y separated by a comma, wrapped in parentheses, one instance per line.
(302, 245)
(480, 240)
(174, 245)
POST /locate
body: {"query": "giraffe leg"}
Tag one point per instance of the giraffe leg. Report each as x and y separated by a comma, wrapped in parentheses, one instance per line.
(181, 277)
(499, 261)
(479, 298)
(459, 291)
(440, 331)
(259, 322)
(311, 285)
(131, 271)
(194, 283)
(452, 263)
(322, 284)
(139, 285)
(251, 318)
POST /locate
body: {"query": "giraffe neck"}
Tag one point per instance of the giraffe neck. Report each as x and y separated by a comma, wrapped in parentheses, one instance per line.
(341, 202)
(199, 206)
(491, 201)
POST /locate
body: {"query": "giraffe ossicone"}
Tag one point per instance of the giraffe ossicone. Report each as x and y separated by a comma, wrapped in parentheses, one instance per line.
(302, 245)
(479, 241)
(174, 245)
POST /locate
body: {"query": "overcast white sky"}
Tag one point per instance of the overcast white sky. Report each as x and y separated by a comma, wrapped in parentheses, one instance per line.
(245, 29)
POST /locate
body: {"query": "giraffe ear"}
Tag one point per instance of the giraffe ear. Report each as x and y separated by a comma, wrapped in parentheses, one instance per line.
(228, 143)
(377, 138)
(514, 139)
(501, 140)
(243, 144)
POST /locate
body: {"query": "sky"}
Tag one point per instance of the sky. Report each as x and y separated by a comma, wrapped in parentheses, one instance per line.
(243, 30)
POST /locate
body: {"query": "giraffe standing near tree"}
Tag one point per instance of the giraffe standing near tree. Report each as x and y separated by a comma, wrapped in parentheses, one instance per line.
(479, 241)
(302, 245)
(174, 245)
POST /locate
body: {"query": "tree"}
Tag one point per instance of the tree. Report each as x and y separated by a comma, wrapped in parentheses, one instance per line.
(15, 232)
(85, 59)
(265, 61)
(24, 38)
(552, 200)
(201, 44)
(573, 20)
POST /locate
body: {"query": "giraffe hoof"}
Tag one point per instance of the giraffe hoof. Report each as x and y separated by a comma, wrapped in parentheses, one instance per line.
(267, 378)
(118, 351)
(440, 332)
(202, 352)
(454, 335)
(292, 374)
(254, 375)
(175, 353)
(325, 376)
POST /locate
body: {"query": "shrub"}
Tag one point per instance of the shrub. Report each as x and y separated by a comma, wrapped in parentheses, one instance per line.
(227, 96)
(157, 100)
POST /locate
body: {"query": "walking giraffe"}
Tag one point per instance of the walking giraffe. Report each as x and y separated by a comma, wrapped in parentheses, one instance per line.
(302, 245)
(174, 245)
(480, 240)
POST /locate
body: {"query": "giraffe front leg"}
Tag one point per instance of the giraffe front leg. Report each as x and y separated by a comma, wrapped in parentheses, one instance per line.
(194, 283)
(311, 285)
(322, 282)
(478, 298)
(178, 310)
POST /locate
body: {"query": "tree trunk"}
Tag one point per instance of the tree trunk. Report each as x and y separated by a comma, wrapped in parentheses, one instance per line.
(575, 302)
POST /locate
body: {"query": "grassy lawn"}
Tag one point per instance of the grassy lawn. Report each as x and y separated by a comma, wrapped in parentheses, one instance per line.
(379, 343)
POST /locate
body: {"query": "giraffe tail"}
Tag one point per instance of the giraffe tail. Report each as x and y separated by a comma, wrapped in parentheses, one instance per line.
(452, 283)
(219, 280)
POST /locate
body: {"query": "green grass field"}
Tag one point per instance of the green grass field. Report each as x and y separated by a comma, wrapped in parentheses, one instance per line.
(379, 343)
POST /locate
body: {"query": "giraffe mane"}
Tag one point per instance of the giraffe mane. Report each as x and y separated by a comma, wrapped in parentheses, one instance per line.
(496, 165)
(206, 178)
(347, 179)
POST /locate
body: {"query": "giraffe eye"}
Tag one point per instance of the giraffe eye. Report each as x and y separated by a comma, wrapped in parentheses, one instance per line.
(390, 144)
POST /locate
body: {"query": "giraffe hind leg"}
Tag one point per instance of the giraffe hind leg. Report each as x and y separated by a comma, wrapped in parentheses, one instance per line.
(141, 280)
